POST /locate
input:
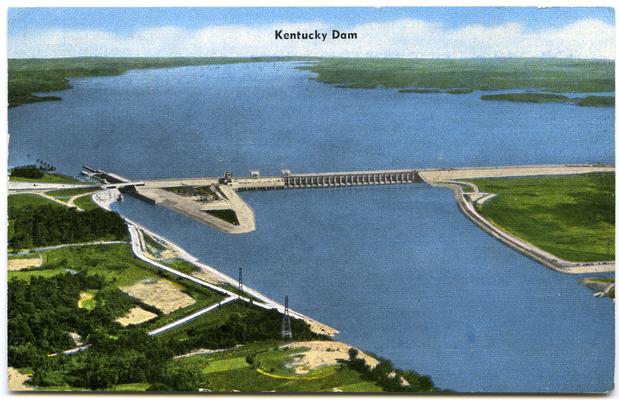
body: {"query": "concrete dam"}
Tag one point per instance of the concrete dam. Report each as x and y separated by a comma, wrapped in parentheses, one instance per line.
(215, 201)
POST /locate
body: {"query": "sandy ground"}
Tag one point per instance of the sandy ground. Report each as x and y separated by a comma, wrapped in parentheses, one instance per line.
(136, 316)
(208, 277)
(83, 297)
(161, 294)
(17, 379)
(77, 338)
(23, 263)
(322, 354)
(320, 328)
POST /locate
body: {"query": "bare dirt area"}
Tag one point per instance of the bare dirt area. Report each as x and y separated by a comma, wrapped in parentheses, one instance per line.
(162, 294)
(322, 354)
(24, 263)
(17, 381)
(208, 277)
(136, 316)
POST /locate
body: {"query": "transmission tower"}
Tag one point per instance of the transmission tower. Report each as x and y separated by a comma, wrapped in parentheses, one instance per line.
(286, 328)
(240, 280)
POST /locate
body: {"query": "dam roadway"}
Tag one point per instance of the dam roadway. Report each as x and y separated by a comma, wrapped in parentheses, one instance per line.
(288, 180)
(215, 200)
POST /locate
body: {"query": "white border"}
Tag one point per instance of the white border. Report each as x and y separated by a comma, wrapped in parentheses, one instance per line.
(221, 3)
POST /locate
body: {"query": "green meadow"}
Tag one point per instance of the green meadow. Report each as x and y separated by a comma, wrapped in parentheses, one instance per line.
(570, 216)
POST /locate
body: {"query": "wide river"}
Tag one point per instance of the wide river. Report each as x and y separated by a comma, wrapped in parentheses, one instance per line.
(398, 270)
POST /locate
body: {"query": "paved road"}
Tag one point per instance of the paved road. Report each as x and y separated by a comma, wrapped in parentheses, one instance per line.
(188, 318)
(263, 301)
(36, 186)
(36, 249)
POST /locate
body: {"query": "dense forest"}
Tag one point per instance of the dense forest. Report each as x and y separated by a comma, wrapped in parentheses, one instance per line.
(47, 225)
(43, 312)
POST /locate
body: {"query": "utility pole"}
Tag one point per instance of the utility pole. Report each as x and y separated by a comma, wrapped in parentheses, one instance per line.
(286, 328)
(240, 281)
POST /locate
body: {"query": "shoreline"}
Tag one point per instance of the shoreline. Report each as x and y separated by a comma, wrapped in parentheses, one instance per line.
(105, 198)
(549, 260)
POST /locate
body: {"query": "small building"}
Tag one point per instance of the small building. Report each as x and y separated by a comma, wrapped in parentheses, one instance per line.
(227, 178)
(254, 173)
(286, 173)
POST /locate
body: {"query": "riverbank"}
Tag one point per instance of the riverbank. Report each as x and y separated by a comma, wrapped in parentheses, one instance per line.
(469, 201)
(107, 197)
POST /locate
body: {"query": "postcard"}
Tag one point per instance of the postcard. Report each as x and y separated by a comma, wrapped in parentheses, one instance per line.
(311, 200)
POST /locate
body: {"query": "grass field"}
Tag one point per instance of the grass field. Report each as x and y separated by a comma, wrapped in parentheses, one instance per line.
(226, 215)
(571, 216)
(229, 370)
(65, 194)
(181, 265)
(555, 75)
(595, 101)
(212, 319)
(19, 201)
(49, 178)
(85, 203)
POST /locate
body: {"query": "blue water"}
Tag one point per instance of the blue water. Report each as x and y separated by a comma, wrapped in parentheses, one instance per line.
(398, 270)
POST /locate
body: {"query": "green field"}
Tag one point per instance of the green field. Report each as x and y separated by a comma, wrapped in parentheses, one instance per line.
(227, 215)
(49, 178)
(549, 74)
(229, 370)
(21, 201)
(570, 216)
(181, 265)
(594, 101)
(85, 203)
(65, 194)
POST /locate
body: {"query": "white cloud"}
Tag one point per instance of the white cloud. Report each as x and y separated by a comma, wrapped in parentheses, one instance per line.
(587, 38)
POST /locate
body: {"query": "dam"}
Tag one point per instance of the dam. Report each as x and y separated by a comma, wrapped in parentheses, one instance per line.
(215, 200)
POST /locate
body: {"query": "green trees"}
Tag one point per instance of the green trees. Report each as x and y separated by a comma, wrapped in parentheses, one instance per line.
(46, 225)
(389, 378)
(27, 171)
(41, 313)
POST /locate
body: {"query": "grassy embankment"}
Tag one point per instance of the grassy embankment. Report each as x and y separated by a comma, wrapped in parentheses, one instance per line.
(28, 76)
(570, 216)
(464, 76)
(595, 101)
(226, 215)
(49, 178)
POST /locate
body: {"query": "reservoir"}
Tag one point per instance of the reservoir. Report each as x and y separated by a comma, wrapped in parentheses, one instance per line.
(397, 269)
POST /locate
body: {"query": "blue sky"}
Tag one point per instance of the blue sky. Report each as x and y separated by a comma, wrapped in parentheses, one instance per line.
(128, 20)
(435, 32)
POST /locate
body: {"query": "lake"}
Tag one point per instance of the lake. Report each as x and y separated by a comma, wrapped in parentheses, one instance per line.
(398, 270)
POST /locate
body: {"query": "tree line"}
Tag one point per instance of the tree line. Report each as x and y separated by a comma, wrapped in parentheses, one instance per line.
(48, 225)
(388, 377)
